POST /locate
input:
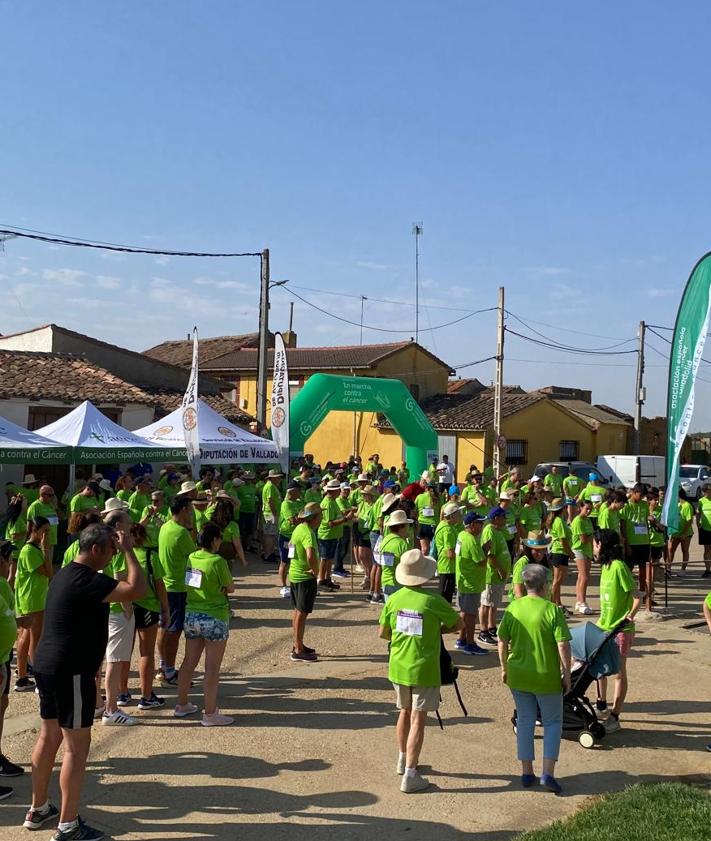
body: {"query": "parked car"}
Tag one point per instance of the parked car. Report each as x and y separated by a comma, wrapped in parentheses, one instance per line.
(627, 471)
(693, 479)
(579, 468)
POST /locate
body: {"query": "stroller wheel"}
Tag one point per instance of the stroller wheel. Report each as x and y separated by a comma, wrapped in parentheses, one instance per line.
(586, 739)
(598, 730)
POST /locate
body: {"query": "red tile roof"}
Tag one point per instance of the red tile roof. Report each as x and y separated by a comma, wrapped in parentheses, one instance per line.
(180, 352)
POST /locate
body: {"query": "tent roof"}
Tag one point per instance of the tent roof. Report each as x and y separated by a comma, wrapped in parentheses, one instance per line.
(20, 446)
(221, 442)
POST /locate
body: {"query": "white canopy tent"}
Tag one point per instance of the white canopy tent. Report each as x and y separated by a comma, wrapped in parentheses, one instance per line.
(221, 442)
(20, 446)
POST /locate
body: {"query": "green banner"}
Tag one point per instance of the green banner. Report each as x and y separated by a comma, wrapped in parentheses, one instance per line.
(692, 324)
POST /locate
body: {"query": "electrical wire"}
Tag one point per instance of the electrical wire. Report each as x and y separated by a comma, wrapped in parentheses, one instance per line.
(669, 342)
(369, 298)
(563, 329)
(568, 348)
(470, 364)
(666, 358)
(557, 362)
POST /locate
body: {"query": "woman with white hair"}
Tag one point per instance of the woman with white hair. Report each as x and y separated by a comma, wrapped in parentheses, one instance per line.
(533, 648)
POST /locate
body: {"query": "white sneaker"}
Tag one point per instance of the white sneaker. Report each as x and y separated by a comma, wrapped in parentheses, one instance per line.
(415, 783)
(400, 766)
(216, 719)
(187, 709)
(612, 725)
(285, 592)
(118, 719)
(583, 609)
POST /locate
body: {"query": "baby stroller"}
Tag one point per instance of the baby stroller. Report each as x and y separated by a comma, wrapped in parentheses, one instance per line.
(595, 655)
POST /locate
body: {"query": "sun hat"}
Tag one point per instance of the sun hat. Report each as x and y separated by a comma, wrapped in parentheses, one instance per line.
(309, 510)
(345, 486)
(114, 504)
(368, 489)
(274, 474)
(451, 508)
(533, 479)
(222, 495)
(388, 501)
(415, 568)
(472, 517)
(187, 487)
(537, 540)
(508, 494)
(294, 486)
(333, 485)
(157, 492)
(29, 479)
(362, 477)
(105, 485)
(425, 475)
(498, 511)
(398, 518)
(557, 504)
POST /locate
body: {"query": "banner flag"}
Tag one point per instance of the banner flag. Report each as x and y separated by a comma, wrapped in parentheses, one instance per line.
(280, 402)
(190, 414)
(692, 324)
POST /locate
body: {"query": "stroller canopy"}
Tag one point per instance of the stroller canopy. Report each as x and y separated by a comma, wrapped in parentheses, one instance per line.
(596, 648)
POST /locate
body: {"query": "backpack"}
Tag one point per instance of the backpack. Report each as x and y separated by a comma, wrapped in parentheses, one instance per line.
(448, 673)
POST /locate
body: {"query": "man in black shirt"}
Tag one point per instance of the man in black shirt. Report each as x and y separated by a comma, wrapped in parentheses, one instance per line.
(66, 662)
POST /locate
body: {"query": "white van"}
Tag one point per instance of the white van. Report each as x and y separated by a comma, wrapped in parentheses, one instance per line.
(626, 471)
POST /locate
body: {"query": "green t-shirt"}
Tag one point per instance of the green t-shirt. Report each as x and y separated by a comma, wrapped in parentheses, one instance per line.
(499, 549)
(124, 495)
(175, 544)
(365, 516)
(686, 520)
(230, 532)
(80, 503)
(30, 494)
(572, 485)
(70, 552)
(137, 504)
(531, 518)
(427, 509)
(704, 511)
(636, 520)
(559, 532)
(150, 601)
(391, 548)
(553, 482)
(313, 495)
(8, 625)
(113, 569)
(608, 518)
(377, 513)
(207, 575)
(289, 509)
(533, 627)
(475, 500)
(445, 538)
(415, 618)
(303, 537)
(595, 495)
(155, 524)
(17, 533)
(271, 499)
(345, 503)
(331, 512)
(656, 536)
(471, 563)
(41, 509)
(580, 527)
(617, 589)
(707, 601)
(509, 484)
(247, 495)
(30, 584)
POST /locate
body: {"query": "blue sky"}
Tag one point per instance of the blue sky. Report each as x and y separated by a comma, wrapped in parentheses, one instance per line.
(557, 150)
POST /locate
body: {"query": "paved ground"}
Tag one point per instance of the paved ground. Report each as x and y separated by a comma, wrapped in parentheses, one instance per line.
(313, 748)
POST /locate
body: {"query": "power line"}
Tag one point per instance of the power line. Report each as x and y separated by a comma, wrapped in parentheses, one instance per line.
(669, 342)
(570, 349)
(130, 249)
(547, 338)
(370, 298)
(666, 358)
(557, 362)
(470, 364)
(563, 329)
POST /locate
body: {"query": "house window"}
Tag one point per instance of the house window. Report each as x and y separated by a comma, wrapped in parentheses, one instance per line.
(235, 391)
(516, 451)
(40, 416)
(569, 450)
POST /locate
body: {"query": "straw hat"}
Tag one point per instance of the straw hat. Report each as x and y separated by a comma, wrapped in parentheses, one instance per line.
(105, 485)
(333, 485)
(29, 479)
(114, 504)
(398, 518)
(223, 495)
(187, 487)
(538, 540)
(274, 474)
(309, 510)
(509, 494)
(415, 569)
(362, 477)
(369, 490)
(556, 504)
(451, 508)
(388, 501)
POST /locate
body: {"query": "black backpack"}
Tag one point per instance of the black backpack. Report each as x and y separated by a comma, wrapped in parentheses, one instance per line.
(448, 674)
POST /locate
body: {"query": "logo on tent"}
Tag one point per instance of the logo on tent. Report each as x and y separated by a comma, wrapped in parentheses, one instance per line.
(162, 431)
(97, 436)
(278, 417)
(228, 433)
(190, 419)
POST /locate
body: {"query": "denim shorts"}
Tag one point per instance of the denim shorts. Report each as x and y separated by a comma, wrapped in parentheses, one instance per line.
(327, 548)
(202, 626)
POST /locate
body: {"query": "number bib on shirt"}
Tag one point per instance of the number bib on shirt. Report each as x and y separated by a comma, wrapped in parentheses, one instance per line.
(409, 622)
(292, 551)
(428, 512)
(595, 498)
(193, 577)
(511, 529)
(640, 529)
(387, 559)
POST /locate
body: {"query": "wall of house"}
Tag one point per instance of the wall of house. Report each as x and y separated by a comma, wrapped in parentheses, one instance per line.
(412, 367)
(612, 439)
(334, 439)
(36, 340)
(471, 449)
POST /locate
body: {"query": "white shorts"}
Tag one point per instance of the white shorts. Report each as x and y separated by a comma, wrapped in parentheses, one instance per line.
(120, 644)
(493, 595)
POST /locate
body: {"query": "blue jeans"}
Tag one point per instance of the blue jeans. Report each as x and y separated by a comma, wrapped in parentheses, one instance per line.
(551, 708)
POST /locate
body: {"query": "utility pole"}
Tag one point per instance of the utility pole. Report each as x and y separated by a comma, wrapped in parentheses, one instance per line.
(417, 231)
(263, 342)
(363, 299)
(291, 315)
(499, 384)
(641, 392)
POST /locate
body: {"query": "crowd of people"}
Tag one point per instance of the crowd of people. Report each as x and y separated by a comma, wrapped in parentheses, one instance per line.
(126, 560)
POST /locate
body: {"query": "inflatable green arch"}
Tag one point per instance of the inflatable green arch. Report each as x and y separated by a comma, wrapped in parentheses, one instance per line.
(324, 393)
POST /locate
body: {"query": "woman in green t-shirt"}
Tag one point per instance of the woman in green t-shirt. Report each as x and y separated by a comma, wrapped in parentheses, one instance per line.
(685, 530)
(619, 601)
(224, 516)
(428, 505)
(362, 527)
(34, 569)
(207, 624)
(535, 551)
(582, 533)
(561, 551)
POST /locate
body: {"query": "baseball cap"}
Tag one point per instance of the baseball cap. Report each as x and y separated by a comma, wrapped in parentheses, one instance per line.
(592, 477)
(473, 517)
(496, 512)
(453, 490)
(389, 484)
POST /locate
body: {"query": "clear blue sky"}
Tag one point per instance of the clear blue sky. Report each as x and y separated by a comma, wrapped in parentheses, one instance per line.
(557, 150)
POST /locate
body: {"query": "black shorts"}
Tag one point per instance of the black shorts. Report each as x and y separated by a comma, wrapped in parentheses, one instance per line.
(425, 531)
(303, 595)
(559, 559)
(443, 487)
(657, 552)
(284, 548)
(247, 520)
(70, 699)
(6, 672)
(176, 603)
(361, 539)
(704, 537)
(447, 585)
(145, 618)
(638, 555)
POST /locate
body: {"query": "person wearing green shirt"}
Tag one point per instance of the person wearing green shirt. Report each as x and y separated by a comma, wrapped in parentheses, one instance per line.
(153, 517)
(635, 531)
(707, 610)
(535, 551)
(657, 532)
(288, 520)
(593, 494)
(619, 602)
(271, 504)
(413, 621)
(140, 499)
(473, 496)
(561, 548)
(703, 523)
(303, 572)
(223, 515)
(34, 570)
(175, 544)
(428, 506)
(8, 635)
(508, 500)
(534, 647)
(247, 495)
(530, 515)
(498, 560)
(682, 536)
(362, 527)
(207, 625)
(87, 500)
(609, 515)
(553, 481)
(394, 542)
(572, 485)
(445, 537)
(511, 481)
(581, 530)
(348, 509)
(16, 528)
(329, 533)
(30, 488)
(46, 506)
(471, 580)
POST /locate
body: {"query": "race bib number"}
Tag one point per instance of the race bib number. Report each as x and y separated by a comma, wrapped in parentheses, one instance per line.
(640, 529)
(511, 529)
(376, 551)
(388, 559)
(596, 498)
(409, 622)
(292, 551)
(193, 577)
(458, 549)
(428, 512)
(53, 521)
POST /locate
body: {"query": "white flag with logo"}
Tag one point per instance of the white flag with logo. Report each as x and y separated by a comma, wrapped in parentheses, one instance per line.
(190, 414)
(280, 402)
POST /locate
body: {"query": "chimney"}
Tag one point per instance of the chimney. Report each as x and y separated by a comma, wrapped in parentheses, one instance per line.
(289, 338)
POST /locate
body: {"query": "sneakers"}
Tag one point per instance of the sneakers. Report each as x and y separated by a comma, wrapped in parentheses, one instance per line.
(169, 681)
(183, 710)
(9, 769)
(328, 586)
(81, 832)
(24, 684)
(151, 703)
(414, 783)
(400, 764)
(285, 592)
(124, 699)
(365, 584)
(117, 719)
(306, 656)
(341, 573)
(485, 638)
(5, 792)
(473, 648)
(550, 782)
(216, 719)
(527, 780)
(706, 573)
(583, 609)
(460, 644)
(612, 725)
(34, 819)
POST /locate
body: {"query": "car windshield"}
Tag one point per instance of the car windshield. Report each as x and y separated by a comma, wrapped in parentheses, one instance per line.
(689, 472)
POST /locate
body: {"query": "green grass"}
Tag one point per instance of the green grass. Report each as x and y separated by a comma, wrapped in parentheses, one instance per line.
(659, 812)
